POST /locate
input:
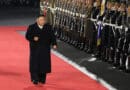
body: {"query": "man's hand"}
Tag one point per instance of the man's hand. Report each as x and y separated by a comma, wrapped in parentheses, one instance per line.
(55, 47)
(36, 38)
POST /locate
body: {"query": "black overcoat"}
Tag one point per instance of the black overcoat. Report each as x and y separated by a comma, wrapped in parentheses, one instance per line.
(40, 58)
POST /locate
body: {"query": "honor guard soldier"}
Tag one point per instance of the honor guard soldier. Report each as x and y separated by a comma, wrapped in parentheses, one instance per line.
(89, 31)
(50, 12)
(95, 13)
(121, 21)
(116, 33)
(123, 17)
(67, 20)
(111, 39)
(61, 19)
(71, 16)
(77, 23)
(127, 43)
(105, 32)
(73, 22)
(95, 16)
(82, 25)
(56, 18)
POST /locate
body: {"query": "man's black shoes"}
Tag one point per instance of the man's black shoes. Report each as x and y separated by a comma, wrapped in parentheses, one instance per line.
(35, 82)
(42, 81)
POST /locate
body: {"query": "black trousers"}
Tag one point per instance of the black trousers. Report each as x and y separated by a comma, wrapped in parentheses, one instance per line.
(41, 77)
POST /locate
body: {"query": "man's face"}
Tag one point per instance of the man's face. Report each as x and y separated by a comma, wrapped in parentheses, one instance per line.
(41, 21)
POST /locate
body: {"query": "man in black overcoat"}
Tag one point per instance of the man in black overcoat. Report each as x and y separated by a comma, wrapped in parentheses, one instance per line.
(41, 37)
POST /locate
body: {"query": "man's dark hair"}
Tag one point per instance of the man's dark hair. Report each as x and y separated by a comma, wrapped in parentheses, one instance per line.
(40, 16)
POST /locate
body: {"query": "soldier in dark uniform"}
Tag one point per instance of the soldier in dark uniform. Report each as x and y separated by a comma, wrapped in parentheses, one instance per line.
(89, 31)
(77, 23)
(62, 20)
(121, 21)
(127, 43)
(116, 33)
(117, 38)
(57, 19)
(82, 25)
(73, 22)
(125, 63)
(128, 53)
(49, 14)
(95, 15)
(70, 24)
(67, 20)
(106, 32)
(123, 18)
(111, 39)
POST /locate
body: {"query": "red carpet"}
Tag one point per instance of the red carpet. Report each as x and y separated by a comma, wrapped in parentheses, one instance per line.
(14, 73)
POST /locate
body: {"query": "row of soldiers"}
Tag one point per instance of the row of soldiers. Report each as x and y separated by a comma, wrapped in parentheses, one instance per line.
(98, 27)
(113, 35)
(70, 18)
